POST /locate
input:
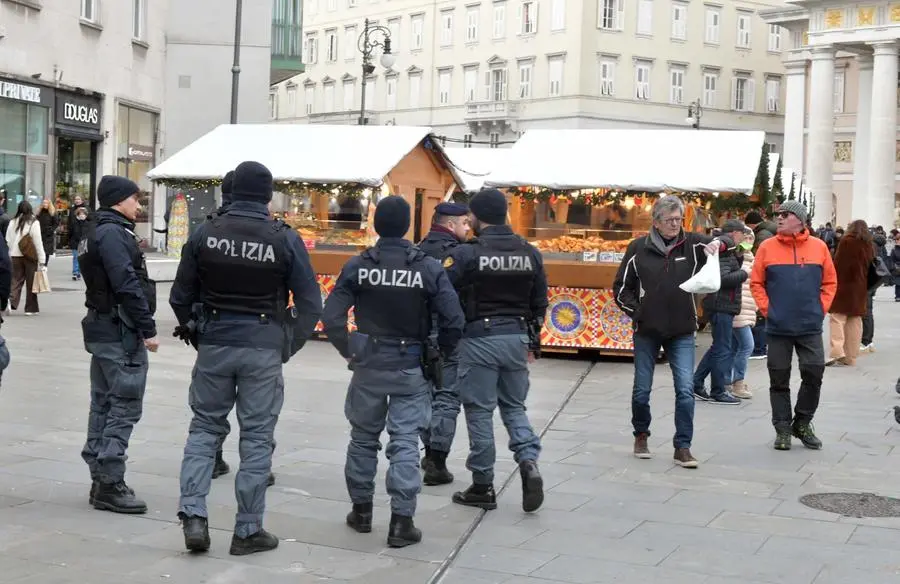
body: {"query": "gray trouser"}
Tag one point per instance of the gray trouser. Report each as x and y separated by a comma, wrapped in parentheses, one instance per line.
(117, 402)
(224, 377)
(493, 371)
(399, 400)
(444, 409)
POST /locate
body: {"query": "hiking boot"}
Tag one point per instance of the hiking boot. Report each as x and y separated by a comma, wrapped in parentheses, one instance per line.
(360, 518)
(261, 541)
(196, 533)
(684, 458)
(701, 394)
(641, 450)
(435, 467)
(532, 486)
(806, 433)
(482, 496)
(741, 391)
(271, 480)
(725, 399)
(402, 532)
(220, 467)
(782, 440)
(118, 498)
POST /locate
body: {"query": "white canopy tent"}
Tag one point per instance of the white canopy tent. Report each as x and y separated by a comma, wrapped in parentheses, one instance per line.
(633, 160)
(473, 165)
(320, 154)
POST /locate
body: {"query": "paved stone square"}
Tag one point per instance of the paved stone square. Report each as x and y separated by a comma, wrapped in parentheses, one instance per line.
(607, 518)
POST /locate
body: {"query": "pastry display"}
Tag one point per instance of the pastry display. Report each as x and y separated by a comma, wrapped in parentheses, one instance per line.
(574, 244)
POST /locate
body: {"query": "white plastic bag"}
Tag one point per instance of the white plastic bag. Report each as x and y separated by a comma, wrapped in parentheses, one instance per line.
(707, 280)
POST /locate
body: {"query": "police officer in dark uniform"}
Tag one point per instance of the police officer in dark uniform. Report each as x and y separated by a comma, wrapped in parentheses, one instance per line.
(502, 285)
(118, 331)
(449, 227)
(240, 267)
(394, 288)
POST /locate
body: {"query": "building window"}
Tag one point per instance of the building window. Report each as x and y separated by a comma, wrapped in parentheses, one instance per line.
(676, 85)
(311, 51)
(287, 35)
(555, 73)
(470, 81)
(710, 88)
(394, 29)
(332, 5)
(331, 48)
(839, 83)
(774, 38)
(496, 82)
(528, 17)
(743, 94)
(472, 15)
(310, 98)
(611, 14)
(607, 77)
(350, 43)
(744, 24)
(713, 25)
(526, 71)
(415, 90)
(558, 15)
(391, 94)
(89, 10)
(291, 91)
(446, 28)
(444, 80)
(773, 95)
(642, 81)
(136, 132)
(349, 95)
(23, 152)
(328, 98)
(500, 20)
(773, 147)
(418, 31)
(139, 25)
(645, 17)
(467, 140)
(679, 22)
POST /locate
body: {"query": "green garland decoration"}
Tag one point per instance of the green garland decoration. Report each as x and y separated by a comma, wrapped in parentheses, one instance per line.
(293, 189)
(190, 184)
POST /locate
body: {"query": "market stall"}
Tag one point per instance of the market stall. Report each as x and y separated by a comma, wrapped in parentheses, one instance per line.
(581, 196)
(331, 177)
(473, 165)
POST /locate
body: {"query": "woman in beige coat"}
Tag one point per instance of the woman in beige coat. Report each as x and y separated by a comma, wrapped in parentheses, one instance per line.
(742, 345)
(26, 259)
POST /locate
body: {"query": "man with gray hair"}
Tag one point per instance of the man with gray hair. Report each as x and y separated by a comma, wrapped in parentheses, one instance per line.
(664, 316)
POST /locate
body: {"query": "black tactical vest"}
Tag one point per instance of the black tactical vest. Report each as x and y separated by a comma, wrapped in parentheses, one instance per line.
(242, 265)
(437, 247)
(502, 279)
(99, 294)
(392, 301)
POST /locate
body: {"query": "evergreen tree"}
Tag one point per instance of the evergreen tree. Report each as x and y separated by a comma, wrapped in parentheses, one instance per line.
(777, 187)
(791, 194)
(761, 187)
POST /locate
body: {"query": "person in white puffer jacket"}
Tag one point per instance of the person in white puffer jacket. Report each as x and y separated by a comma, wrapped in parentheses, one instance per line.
(742, 346)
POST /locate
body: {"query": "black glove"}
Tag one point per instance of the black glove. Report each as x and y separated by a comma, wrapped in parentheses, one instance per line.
(187, 333)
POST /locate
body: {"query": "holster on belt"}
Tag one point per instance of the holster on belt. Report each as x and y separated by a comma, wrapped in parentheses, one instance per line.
(131, 339)
(433, 364)
(534, 337)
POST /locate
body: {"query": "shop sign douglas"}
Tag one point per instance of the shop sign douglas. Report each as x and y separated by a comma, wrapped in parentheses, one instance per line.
(78, 110)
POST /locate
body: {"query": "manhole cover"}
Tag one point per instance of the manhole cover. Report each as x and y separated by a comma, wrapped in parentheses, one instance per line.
(854, 504)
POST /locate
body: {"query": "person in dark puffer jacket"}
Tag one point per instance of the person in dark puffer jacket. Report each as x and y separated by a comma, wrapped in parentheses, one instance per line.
(721, 307)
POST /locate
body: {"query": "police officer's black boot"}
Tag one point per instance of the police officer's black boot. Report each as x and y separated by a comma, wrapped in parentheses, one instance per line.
(436, 472)
(482, 496)
(94, 482)
(426, 462)
(118, 498)
(532, 486)
(261, 541)
(360, 518)
(403, 531)
(196, 532)
(220, 467)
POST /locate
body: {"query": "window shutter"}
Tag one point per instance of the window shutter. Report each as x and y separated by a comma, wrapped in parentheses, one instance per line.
(734, 104)
(519, 22)
(620, 15)
(504, 85)
(750, 96)
(534, 19)
(487, 86)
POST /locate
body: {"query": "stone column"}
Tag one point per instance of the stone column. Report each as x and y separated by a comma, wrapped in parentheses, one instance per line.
(794, 119)
(883, 136)
(820, 148)
(858, 204)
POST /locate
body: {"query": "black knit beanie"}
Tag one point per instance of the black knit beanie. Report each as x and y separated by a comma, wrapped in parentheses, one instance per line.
(112, 190)
(227, 182)
(392, 217)
(489, 205)
(252, 182)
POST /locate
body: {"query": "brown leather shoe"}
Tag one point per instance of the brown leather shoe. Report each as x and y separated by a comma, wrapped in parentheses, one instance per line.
(640, 446)
(683, 458)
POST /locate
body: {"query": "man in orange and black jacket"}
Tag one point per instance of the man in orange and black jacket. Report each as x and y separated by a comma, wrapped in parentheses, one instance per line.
(793, 282)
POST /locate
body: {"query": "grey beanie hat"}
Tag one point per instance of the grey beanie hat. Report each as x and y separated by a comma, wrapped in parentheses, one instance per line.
(796, 208)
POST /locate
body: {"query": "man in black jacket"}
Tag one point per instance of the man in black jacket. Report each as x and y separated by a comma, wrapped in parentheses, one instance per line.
(664, 316)
(720, 308)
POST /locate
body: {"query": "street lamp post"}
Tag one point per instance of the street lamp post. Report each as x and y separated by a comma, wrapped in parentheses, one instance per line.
(695, 112)
(236, 65)
(367, 45)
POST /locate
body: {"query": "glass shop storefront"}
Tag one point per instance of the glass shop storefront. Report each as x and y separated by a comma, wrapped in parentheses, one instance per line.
(24, 142)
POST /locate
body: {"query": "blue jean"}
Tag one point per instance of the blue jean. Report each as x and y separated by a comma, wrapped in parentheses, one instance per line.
(680, 352)
(717, 360)
(741, 350)
(76, 270)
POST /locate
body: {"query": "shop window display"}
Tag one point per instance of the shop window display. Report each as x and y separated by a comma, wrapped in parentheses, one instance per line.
(136, 134)
(23, 161)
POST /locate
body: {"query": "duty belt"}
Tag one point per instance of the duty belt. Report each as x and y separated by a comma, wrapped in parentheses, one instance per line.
(215, 314)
